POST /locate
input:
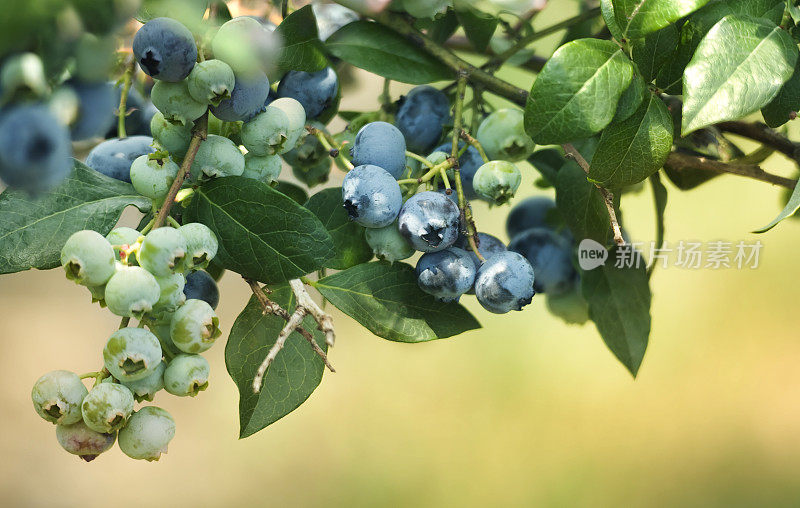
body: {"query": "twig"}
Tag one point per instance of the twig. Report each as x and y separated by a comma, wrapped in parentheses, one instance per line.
(304, 300)
(122, 111)
(763, 134)
(291, 325)
(681, 161)
(474, 142)
(330, 144)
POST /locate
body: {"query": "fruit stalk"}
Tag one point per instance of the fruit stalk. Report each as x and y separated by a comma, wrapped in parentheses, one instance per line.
(127, 79)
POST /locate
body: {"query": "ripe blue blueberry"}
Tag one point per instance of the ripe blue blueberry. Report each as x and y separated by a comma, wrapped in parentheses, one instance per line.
(246, 100)
(468, 164)
(35, 149)
(446, 274)
(146, 388)
(488, 246)
(186, 375)
(371, 196)
(217, 156)
(132, 354)
(165, 49)
(194, 327)
(422, 115)
(174, 138)
(497, 181)
(114, 157)
(246, 45)
(380, 144)
(504, 283)
(430, 221)
(175, 103)
(153, 178)
(317, 92)
(57, 397)
(95, 110)
(534, 212)
(387, 243)
(202, 286)
(88, 258)
(163, 252)
(131, 292)
(264, 168)
(80, 440)
(551, 257)
(201, 244)
(107, 407)
(503, 136)
(211, 81)
(147, 434)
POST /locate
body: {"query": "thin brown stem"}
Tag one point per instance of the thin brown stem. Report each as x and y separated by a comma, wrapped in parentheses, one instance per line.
(764, 135)
(682, 161)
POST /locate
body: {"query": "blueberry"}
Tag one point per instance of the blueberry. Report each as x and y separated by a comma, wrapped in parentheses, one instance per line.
(264, 168)
(175, 103)
(165, 49)
(114, 157)
(57, 397)
(446, 274)
(147, 434)
(309, 152)
(314, 175)
(163, 252)
(275, 131)
(153, 178)
(22, 74)
(422, 115)
(371, 196)
(132, 292)
(174, 138)
(317, 92)
(551, 257)
(96, 108)
(132, 354)
(122, 236)
(246, 101)
(468, 165)
(430, 221)
(194, 327)
(297, 119)
(80, 440)
(534, 212)
(503, 136)
(504, 283)
(497, 181)
(488, 246)
(88, 258)
(171, 296)
(246, 45)
(35, 149)
(387, 243)
(201, 244)
(107, 407)
(146, 388)
(331, 17)
(211, 81)
(217, 157)
(202, 286)
(380, 144)
(186, 375)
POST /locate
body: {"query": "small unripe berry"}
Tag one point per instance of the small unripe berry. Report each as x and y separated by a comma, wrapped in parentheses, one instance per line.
(78, 439)
(163, 252)
(201, 244)
(186, 375)
(132, 292)
(88, 258)
(132, 354)
(57, 397)
(107, 407)
(147, 434)
(194, 327)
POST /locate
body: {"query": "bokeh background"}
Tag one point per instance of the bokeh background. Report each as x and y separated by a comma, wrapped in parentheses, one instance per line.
(526, 411)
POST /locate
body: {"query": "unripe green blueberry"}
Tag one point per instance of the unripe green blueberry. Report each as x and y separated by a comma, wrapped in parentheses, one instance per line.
(201, 244)
(172, 295)
(309, 152)
(160, 326)
(194, 327)
(107, 407)
(174, 101)
(152, 178)
(297, 119)
(437, 157)
(132, 354)
(78, 439)
(174, 138)
(88, 258)
(132, 292)
(245, 45)
(313, 175)
(25, 72)
(211, 81)
(264, 168)
(186, 375)
(387, 243)
(147, 433)
(163, 252)
(57, 397)
(503, 136)
(146, 388)
(267, 133)
(497, 181)
(98, 294)
(123, 236)
(217, 157)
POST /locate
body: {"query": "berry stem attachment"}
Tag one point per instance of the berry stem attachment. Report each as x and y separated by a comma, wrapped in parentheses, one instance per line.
(124, 323)
(419, 158)
(430, 175)
(474, 142)
(125, 81)
(330, 144)
(173, 222)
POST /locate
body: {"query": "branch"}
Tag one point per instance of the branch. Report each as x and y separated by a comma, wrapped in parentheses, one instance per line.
(304, 300)
(759, 132)
(122, 111)
(681, 161)
(460, 43)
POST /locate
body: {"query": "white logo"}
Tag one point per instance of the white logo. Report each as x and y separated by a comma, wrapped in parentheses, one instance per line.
(591, 254)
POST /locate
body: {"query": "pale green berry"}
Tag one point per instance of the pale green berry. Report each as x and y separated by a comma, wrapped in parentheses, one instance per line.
(98, 294)
(194, 327)
(160, 326)
(152, 178)
(23, 71)
(163, 252)
(175, 103)
(132, 292)
(146, 388)
(57, 396)
(211, 81)
(387, 243)
(123, 236)
(503, 136)
(88, 258)
(78, 439)
(437, 157)
(217, 157)
(246, 45)
(497, 181)
(107, 407)
(297, 119)
(132, 354)
(147, 434)
(264, 168)
(267, 133)
(201, 244)
(174, 138)
(172, 295)
(186, 375)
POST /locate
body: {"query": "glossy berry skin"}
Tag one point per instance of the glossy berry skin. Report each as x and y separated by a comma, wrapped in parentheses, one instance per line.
(371, 196)
(174, 138)
(175, 103)
(446, 274)
(186, 375)
(147, 434)
(172, 295)
(57, 397)
(422, 115)
(314, 175)
(107, 407)
(551, 256)
(194, 327)
(217, 157)
(380, 144)
(488, 246)
(88, 258)
(165, 49)
(246, 100)
(429, 221)
(163, 252)
(152, 178)
(146, 388)
(35, 149)
(264, 168)
(497, 181)
(78, 439)
(503, 136)
(131, 354)
(504, 283)
(95, 110)
(246, 45)
(113, 157)
(317, 92)
(211, 81)
(530, 213)
(388, 244)
(468, 163)
(201, 244)
(202, 286)
(132, 292)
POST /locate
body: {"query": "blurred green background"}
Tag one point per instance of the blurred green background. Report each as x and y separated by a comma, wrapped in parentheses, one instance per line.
(526, 411)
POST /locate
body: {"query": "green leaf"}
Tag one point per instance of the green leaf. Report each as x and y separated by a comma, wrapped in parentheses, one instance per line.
(443, 27)
(637, 18)
(607, 11)
(478, 26)
(188, 12)
(576, 94)
(791, 207)
(631, 150)
(348, 237)
(386, 299)
(653, 51)
(292, 377)
(302, 49)
(377, 49)
(547, 162)
(631, 99)
(297, 193)
(263, 234)
(619, 305)
(33, 230)
(758, 58)
(785, 105)
(660, 203)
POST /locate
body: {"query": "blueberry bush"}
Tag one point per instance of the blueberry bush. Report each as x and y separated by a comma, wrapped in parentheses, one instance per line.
(196, 118)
